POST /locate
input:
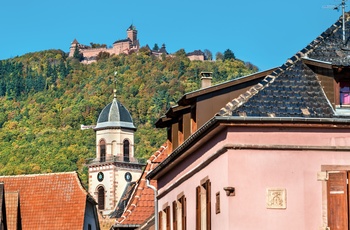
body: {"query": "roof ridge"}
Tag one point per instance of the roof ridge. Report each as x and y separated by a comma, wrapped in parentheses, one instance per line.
(37, 174)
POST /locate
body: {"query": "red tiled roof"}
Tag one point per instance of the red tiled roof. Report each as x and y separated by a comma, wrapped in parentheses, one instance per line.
(12, 205)
(141, 205)
(49, 201)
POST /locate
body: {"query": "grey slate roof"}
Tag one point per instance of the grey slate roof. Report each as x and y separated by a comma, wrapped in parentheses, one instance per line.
(123, 202)
(293, 90)
(114, 115)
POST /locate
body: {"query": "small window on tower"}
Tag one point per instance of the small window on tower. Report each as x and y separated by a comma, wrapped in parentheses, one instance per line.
(101, 198)
(126, 151)
(102, 151)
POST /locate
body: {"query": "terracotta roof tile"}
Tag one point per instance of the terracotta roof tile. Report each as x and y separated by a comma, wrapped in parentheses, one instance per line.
(141, 205)
(49, 201)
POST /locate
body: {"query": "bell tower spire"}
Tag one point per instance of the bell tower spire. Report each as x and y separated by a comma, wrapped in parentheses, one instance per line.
(115, 165)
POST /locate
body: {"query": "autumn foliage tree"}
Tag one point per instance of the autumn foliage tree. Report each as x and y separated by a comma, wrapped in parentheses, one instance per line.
(46, 96)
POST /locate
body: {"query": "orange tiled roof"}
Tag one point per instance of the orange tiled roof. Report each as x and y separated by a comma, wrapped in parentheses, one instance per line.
(49, 201)
(141, 205)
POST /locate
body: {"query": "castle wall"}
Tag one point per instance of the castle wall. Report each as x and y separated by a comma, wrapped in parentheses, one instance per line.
(121, 47)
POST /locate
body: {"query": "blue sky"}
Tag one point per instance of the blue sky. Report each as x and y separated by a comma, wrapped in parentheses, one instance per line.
(265, 33)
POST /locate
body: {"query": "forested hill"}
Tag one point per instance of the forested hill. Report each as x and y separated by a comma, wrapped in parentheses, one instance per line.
(45, 97)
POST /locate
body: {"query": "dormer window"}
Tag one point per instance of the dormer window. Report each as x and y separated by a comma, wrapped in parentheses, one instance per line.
(344, 94)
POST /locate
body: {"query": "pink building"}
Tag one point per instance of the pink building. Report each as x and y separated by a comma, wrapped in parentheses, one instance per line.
(267, 151)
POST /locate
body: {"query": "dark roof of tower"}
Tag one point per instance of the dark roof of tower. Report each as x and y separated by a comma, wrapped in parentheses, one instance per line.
(75, 41)
(122, 40)
(163, 50)
(293, 89)
(196, 52)
(114, 115)
(131, 27)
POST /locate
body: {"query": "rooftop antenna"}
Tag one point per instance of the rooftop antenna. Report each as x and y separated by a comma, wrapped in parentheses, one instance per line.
(337, 7)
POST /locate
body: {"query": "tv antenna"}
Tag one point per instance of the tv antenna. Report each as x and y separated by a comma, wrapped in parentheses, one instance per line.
(342, 5)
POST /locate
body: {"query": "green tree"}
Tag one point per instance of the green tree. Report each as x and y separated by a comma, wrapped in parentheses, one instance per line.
(102, 55)
(208, 54)
(228, 55)
(77, 55)
(155, 47)
(219, 56)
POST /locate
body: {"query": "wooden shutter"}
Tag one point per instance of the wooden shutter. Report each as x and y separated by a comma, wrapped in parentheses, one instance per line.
(337, 201)
(208, 201)
(198, 208)
(174, 215)
(167, 212)
(184, 208)
(160, 220)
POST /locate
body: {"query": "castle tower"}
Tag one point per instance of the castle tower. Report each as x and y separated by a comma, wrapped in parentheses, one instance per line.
(132, 35)
(72, 48)
(115, 165)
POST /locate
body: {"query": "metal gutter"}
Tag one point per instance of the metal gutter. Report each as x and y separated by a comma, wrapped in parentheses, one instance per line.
(155, 203)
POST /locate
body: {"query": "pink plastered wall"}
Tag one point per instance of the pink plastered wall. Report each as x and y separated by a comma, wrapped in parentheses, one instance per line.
(252, 171)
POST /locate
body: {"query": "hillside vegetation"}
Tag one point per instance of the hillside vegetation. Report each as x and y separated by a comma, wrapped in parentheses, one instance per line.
(45, 97)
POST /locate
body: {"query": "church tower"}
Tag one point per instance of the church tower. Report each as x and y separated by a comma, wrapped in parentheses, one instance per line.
(115, 165)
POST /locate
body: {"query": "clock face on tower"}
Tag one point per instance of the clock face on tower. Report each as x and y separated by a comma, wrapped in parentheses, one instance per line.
(100, 176)
(128, 177)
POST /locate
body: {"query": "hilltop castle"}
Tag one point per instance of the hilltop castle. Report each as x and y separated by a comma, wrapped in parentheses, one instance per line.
(126, 46)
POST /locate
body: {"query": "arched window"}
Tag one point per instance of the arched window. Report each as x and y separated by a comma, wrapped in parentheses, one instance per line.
(101, 198)
(126, 151)
(102, 151)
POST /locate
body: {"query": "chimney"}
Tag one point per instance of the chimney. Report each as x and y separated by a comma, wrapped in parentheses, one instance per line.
(206, 79)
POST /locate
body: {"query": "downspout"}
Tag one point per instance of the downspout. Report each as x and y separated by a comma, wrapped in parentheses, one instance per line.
(155, 203)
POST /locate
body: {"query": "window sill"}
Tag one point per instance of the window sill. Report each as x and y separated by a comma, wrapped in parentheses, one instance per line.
(342, 111)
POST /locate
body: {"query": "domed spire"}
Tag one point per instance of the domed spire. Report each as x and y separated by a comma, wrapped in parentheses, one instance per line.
(115, 115)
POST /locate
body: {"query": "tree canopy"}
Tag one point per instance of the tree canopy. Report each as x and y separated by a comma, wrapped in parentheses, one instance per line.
(46, 96)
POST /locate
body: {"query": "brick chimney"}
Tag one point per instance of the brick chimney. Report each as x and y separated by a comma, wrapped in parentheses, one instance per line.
(206, 79)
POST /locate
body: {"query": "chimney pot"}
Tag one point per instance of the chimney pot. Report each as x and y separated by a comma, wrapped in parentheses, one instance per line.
(206, 79)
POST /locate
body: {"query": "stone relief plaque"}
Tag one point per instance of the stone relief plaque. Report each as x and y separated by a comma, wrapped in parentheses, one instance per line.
(276, 198)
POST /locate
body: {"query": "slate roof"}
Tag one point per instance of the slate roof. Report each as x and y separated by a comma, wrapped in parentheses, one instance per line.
(141, 205)
(122, 40)
(195, 53)
(131, 27)
(49, 201)
(293, 89)
(115, 115)
(122, 203)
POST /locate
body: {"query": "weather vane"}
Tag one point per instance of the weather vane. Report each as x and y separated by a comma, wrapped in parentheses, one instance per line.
(337, 7)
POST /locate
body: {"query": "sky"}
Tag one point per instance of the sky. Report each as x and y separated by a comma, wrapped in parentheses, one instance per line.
(265, 33)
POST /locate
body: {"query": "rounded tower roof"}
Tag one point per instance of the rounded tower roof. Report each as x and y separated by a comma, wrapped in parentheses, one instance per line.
(114, 115)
